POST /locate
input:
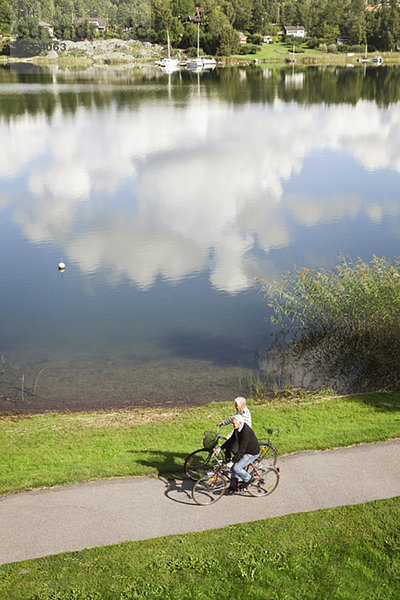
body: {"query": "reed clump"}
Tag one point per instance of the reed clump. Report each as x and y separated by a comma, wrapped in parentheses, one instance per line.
(342, 325)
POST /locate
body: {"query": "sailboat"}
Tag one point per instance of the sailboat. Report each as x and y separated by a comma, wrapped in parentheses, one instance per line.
(201, 62)
(168, 64)
(365, 59)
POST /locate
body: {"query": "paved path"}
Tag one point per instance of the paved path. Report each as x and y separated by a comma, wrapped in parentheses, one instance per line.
(72, 517)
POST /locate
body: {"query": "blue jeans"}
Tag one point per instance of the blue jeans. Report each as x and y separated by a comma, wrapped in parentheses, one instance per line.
(238, 468)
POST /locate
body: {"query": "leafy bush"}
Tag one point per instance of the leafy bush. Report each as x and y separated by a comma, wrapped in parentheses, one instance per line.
(192, 51)
(314, 42)
(5, 49)
(342, 324)
(248, 49)
(255, 38)
(332, 48)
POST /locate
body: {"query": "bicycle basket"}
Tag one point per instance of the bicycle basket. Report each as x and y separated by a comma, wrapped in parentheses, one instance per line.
(209, 439)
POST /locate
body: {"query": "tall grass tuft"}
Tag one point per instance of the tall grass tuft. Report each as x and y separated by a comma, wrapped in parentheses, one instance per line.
(342, 325)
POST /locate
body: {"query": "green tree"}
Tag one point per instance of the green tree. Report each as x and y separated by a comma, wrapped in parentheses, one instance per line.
(355, 26)
(63, 26)
(258, 17)
(243, 14)
(47, 11)
(182, 9)
(85, 30)
(288, 14)
(5, 17)
(225, 39)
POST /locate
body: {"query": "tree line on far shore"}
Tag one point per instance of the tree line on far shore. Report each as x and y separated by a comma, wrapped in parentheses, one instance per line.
(324, 21)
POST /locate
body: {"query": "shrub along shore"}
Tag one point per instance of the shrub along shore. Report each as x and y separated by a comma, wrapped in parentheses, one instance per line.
(58, 448)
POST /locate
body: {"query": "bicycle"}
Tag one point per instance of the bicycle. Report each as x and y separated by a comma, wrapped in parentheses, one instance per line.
(268, 452)
(200, 461)
(197, 463)
(211, 487)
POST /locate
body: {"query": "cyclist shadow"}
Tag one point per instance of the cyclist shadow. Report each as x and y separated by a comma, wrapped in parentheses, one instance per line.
(178, 490)
(164, 462)
(170, 470)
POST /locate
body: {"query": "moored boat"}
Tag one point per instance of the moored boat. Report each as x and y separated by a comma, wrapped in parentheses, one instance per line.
(168, 64)
(200, 62)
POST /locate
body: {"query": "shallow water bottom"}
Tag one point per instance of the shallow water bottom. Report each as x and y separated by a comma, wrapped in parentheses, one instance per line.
(62, 382)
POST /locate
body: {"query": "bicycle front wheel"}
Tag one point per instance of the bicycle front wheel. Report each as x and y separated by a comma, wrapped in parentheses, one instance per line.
(209, 489)
(265, 483)
(268, 454)
(198, 463)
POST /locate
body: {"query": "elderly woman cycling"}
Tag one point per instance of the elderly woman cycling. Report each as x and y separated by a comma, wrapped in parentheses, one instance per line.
(241, 410)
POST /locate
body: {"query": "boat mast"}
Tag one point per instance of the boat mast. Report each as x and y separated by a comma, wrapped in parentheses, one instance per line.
(197, 19)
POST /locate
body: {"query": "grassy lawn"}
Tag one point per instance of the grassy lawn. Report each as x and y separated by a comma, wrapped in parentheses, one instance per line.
(346, 553)
(57, 448)
(278, 52)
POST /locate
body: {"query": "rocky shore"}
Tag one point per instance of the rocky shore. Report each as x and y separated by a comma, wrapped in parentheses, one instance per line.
(110, 51)
(113, 50)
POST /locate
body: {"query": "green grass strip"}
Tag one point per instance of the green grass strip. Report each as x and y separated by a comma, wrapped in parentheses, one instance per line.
(346, 553)
(56, 448)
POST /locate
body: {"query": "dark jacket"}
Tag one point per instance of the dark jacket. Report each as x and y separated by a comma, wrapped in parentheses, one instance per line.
(246, 441)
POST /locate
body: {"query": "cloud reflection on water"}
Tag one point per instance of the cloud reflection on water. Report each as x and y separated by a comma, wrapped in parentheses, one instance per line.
(194, 188)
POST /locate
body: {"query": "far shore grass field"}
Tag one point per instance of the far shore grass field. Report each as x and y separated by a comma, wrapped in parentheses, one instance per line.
(279, 52)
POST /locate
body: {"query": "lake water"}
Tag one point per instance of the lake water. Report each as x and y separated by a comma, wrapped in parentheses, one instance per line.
(166, 197)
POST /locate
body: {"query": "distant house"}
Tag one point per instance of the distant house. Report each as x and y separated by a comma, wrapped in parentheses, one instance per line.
(100, 24)
(243, 38)
(343, 40)
(267, 39)
(47, 26)
(297, 31)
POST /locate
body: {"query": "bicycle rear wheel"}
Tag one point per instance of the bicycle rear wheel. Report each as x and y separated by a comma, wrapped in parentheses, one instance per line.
(268, 454)
(198, 463)
(209, 489)
(265, 482)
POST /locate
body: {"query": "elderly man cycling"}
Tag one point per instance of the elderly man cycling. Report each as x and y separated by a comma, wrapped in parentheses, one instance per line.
(247, 450)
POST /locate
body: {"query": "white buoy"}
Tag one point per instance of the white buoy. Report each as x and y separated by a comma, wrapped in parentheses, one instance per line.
(61, 266)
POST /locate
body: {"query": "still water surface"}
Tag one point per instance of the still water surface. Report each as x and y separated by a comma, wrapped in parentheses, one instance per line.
(166, 197)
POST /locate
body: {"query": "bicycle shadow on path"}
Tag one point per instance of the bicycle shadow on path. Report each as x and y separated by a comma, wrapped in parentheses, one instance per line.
(169, 466)
(178, 489)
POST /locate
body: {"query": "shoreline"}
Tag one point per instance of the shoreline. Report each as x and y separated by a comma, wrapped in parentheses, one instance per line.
(223, 63)
(133, 53)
